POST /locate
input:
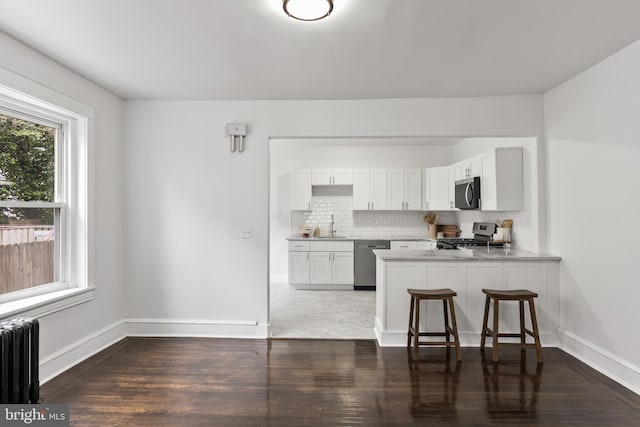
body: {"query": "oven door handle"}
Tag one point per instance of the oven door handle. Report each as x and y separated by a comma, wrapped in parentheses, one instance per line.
(466, 195)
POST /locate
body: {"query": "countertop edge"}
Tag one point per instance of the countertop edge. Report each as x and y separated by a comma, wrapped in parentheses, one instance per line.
(517, 255)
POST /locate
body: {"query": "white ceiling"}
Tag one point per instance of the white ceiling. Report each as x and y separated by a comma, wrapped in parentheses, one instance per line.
(248, 49)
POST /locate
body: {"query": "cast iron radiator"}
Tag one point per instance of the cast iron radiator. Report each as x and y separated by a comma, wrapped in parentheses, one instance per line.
(19, 341)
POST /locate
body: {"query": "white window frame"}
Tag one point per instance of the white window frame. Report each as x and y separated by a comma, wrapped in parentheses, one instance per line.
(72, 195)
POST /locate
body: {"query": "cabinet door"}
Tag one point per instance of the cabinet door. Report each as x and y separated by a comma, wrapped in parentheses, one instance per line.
(342, 268)
(460, 170)
(301, 190)
(361, 189)
(298, 267)
(452, 189)
(488, 196)
(343, 176)
(321, 177)
(475, 166)
(379, 189)
(319, 267)
(395, 189)
(437, 181)
(413, 189)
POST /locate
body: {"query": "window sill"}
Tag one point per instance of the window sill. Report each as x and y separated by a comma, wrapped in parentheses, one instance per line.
(46, 304)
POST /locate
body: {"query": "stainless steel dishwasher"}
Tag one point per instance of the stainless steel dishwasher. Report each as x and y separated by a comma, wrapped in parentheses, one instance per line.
(365, 263)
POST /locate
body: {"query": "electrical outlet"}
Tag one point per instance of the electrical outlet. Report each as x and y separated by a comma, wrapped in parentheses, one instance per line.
(246, 233)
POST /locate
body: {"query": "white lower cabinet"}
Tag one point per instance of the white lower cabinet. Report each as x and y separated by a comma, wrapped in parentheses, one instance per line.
(298, 267)
(321, 265)
(412, 245)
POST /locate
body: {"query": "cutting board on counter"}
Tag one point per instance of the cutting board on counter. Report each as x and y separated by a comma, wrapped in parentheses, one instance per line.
(449, 230)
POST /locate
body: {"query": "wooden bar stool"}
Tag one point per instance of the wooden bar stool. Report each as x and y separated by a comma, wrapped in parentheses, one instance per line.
(520, 295)
(446, 296)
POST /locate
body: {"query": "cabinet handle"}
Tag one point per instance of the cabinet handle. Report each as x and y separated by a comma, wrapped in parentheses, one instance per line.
(309, 206)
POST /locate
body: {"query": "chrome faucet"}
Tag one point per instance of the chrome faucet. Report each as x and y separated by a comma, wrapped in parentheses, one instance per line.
(332, 227)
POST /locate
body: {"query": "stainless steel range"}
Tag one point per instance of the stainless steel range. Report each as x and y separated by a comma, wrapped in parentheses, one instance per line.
(482, 232)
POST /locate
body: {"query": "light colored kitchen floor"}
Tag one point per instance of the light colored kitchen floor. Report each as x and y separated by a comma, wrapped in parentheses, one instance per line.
(321, 314)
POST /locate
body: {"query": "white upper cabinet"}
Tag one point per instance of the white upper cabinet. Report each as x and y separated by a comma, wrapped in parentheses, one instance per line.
(332, 176)
(300, 190)
(404, 189)
(436, 189)
(501, 181)
(369, 189)
(467, 168)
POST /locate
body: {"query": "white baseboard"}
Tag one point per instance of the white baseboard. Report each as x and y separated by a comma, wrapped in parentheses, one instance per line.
(196, 328)
(71, 355)
(467, 339)
(601, 360)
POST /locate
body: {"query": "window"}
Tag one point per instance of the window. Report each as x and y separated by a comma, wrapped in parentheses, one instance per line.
(43, 198)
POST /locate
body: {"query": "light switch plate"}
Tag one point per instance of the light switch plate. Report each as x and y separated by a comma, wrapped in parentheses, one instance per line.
(246, 233)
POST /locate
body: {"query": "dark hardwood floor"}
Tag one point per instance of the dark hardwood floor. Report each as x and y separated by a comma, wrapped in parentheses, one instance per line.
(227, 382)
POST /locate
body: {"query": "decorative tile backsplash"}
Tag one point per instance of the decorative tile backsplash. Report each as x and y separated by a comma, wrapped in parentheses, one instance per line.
(338, 201)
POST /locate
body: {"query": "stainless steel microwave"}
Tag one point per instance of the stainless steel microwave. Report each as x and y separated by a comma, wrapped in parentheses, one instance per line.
(468, 193)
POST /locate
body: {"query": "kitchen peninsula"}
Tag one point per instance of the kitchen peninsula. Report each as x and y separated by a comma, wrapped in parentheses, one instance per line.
(466, 271)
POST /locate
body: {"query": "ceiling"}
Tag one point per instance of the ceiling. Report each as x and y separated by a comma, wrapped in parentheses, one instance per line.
(249, 50)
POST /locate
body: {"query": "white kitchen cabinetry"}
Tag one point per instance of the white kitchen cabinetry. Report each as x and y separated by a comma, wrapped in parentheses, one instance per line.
(436, 189)
(467, 168)
(300, 194)
(325, 264)
(467, 278)
(412, 245)
(395, 245)
(501, 180)
(298, 262)
(404, 189)
(332, 177)
(369, 189)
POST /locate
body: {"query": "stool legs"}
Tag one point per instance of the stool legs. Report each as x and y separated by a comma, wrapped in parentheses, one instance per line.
(495, 333)
(494, 336)
(450, 329)
(536, 334)
(410, 322)
(454, 330)
(483, 336)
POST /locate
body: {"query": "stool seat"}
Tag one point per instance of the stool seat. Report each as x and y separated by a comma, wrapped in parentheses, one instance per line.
(522, 296)
(446, 296)
(516, 294)
(431, 293)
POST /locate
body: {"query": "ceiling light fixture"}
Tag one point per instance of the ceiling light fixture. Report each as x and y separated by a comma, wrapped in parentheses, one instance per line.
(307, 10)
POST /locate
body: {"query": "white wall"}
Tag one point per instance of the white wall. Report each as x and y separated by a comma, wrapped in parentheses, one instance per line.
(188, 197)
(592, 156)
(72, 334)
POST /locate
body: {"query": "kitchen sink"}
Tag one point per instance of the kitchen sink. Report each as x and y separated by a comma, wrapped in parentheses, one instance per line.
(332, 237)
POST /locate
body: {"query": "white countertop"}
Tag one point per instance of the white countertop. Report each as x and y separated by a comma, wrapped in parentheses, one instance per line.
(339, 237)
(476, 254)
